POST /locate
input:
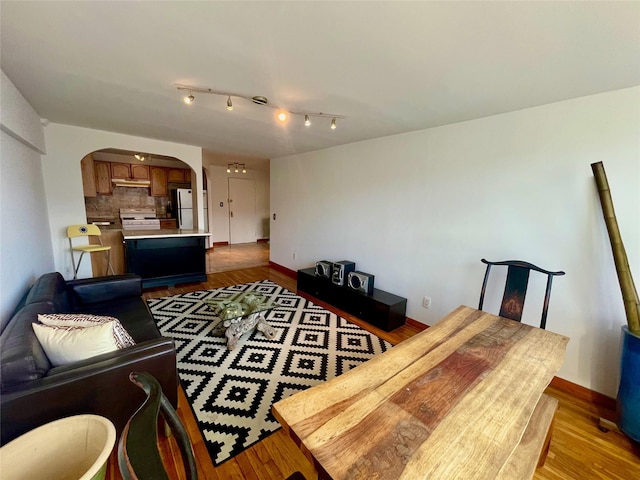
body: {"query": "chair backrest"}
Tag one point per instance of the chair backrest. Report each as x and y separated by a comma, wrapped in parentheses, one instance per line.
(83, 230)
(138, 455)
(515, 288)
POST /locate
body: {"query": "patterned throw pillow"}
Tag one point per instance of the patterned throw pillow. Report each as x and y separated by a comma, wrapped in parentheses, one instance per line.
(82, 320)
(70, 344)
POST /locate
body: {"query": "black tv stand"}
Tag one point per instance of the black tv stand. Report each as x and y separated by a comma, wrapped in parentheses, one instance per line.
(381, 309)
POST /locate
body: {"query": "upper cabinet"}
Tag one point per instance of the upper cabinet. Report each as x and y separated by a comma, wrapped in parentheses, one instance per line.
(98, 176)
(159, 185)
(126, 171)
(139, 172)
(120, 170)
(103, 177)
(88, 177)
(179, 175)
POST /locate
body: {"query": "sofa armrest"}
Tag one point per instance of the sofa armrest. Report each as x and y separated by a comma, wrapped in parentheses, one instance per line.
(103, 289)
(101, 387)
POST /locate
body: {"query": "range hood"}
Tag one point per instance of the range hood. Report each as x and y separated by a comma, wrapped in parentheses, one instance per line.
(121, 182)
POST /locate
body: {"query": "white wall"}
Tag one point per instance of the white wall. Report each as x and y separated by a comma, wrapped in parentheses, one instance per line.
(25, 246)
(219, 192)
(419, 210)
(66, 146)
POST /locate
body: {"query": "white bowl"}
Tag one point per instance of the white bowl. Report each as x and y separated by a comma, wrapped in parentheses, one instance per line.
(72, 448)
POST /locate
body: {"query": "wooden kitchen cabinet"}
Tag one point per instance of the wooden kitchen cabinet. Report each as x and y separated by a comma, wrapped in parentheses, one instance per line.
(103, 177)
(179, 175)
(140, 172)
(112, 238)
(88, 177)
(120, 170)
(159, 186)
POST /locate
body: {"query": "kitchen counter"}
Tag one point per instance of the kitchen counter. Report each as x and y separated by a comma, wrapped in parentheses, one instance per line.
(168, 233)
(166, 257)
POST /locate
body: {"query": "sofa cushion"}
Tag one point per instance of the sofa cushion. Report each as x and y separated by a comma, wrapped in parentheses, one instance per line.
(65, 345)
(22, 358)
(83, 320)
(52, 288)
(133, 315)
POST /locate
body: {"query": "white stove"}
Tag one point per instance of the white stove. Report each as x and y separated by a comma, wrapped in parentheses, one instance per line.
(139, 219)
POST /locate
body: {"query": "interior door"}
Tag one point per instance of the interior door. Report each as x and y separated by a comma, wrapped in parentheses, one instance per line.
(242, 210)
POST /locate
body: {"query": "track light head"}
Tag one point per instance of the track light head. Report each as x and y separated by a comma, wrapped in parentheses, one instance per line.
(333, 124)
(228, 168)
(189, 99)
(260, 100)
(307, 122)
(244, 170)
(282, 116)
(229, 104)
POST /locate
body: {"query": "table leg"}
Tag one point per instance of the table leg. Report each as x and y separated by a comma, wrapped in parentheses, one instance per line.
(256, 320)
(265, 328)
(236, 330)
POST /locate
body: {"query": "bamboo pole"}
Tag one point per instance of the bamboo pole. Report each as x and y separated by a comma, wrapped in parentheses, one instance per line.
(628, 288)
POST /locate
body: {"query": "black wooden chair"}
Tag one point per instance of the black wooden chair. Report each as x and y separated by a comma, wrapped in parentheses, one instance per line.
(515, 288)
(138, 455)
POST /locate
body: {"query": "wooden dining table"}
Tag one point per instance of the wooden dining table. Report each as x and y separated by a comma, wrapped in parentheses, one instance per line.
(461, 400)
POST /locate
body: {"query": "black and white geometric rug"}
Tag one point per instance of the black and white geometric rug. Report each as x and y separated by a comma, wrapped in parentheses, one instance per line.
(231, 392)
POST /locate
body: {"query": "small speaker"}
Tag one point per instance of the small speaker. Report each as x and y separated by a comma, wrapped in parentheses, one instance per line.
(323, 269)
(361, 282)
(340, 270)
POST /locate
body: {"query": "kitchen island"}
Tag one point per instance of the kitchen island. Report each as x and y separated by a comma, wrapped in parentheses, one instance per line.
(166, 257)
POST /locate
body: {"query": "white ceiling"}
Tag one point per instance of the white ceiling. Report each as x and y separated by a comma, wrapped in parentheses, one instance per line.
(388, 67)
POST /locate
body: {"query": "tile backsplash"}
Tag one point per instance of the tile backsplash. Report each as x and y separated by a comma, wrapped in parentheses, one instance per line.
(124, 197)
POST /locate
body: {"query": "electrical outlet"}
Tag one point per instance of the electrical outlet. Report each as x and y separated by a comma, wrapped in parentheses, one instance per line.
(426, 302)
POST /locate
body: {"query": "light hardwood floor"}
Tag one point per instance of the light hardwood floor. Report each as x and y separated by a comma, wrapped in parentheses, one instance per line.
(224, 258)
(579, 450)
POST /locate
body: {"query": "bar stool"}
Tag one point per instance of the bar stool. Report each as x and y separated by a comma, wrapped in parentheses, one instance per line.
(87, 230)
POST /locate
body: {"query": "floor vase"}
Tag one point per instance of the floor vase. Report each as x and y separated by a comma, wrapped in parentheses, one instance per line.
(629, 390)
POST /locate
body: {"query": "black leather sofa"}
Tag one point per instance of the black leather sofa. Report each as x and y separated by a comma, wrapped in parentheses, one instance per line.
(32, 392)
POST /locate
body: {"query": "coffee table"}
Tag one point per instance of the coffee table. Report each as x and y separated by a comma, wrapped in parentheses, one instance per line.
(240, 313)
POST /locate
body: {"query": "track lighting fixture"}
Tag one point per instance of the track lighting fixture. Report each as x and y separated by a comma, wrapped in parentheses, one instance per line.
(138, 156)
(236, 167)
(282, 116)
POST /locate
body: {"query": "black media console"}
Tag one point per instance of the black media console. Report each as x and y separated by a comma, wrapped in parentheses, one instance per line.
(382, 309)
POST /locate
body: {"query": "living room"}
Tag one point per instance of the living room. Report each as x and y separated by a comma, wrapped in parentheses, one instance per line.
(418, 207)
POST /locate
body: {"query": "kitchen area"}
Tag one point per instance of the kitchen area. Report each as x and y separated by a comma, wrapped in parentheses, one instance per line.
(145, 208)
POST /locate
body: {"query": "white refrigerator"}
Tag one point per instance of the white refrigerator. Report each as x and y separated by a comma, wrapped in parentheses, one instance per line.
(184, 207)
